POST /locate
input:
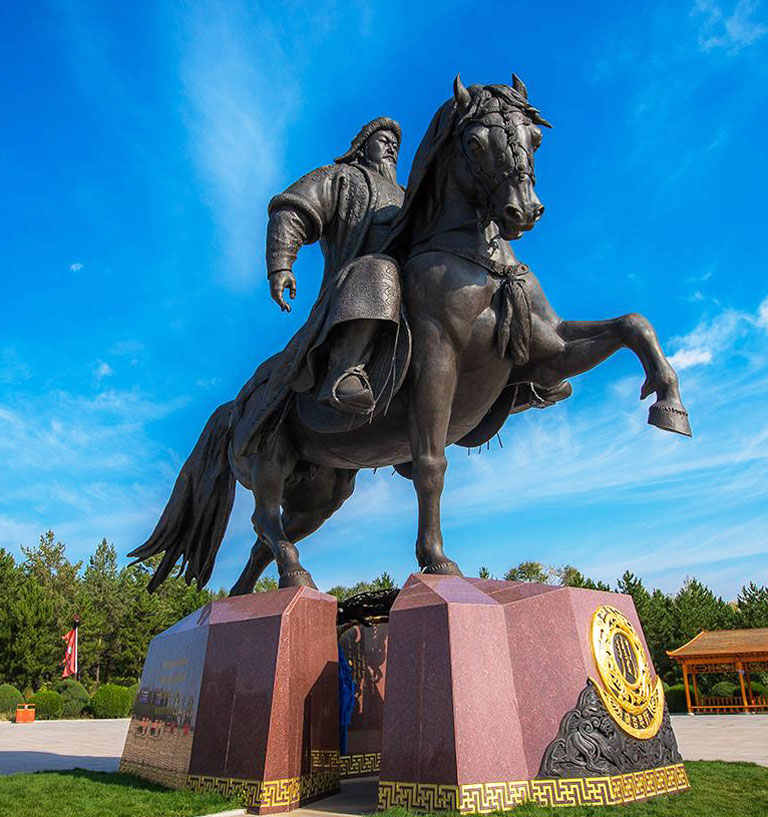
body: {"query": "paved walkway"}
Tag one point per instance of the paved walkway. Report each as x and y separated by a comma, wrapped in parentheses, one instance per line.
(722, 737)
(50, 745)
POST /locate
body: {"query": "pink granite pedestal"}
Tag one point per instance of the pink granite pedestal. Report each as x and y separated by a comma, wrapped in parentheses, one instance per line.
(242, 696)
(480, 676)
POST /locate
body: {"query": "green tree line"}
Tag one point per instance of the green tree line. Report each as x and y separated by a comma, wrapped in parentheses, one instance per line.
(41, 593)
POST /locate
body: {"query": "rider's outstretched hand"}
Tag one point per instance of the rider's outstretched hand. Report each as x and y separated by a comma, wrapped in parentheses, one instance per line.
(279, 281)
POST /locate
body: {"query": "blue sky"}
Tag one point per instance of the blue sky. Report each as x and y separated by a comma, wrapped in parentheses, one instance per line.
(142, 146)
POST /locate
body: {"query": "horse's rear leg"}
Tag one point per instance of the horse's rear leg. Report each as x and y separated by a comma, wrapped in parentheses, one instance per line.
(260, 559)
(588, 343)
(268, 477)
(307, 504)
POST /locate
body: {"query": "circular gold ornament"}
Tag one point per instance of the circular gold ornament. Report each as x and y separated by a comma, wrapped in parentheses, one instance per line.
(630, 695)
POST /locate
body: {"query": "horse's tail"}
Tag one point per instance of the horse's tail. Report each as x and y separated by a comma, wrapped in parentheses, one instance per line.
(195, 518)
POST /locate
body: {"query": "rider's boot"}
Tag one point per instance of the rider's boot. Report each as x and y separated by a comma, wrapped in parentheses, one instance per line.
(346, 386)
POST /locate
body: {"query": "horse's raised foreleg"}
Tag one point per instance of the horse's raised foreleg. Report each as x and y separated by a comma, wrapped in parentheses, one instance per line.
(432, 393)
(588, 343)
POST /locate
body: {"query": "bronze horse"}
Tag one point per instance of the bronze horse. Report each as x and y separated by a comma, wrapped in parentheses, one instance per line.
(483, 333)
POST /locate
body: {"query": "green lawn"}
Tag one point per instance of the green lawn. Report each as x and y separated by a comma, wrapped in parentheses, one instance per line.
(99, 794)
(717, 790)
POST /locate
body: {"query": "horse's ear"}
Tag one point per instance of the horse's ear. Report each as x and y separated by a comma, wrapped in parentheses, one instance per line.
(461, 94)
(519, 86)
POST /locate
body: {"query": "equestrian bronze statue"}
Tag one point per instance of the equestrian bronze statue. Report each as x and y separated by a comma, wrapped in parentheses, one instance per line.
(427, 331)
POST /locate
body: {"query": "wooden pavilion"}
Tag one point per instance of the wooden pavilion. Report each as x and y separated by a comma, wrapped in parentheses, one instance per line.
(724, 651)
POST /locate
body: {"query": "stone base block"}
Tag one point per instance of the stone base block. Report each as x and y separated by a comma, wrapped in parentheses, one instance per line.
(242, 696)
(503, 692)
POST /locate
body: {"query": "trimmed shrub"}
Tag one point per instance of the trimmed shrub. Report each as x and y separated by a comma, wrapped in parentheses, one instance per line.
(724, 689)
(134, 690)
(49, 705)
(76, 699)
(675, 696)
(28, 693)
(759, 689)
(10, 698)
(111, 701)
(123, 682)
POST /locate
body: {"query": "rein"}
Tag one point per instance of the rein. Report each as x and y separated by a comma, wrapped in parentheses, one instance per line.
(496, 268)
(515, 301)
(489, 182)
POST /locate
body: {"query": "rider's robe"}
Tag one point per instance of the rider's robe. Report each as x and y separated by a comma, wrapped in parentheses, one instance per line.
(337, 205)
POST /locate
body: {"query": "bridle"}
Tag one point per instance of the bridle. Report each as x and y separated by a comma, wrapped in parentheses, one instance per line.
(488, 183)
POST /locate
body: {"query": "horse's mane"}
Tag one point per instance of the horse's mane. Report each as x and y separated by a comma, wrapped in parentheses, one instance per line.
(429, 172)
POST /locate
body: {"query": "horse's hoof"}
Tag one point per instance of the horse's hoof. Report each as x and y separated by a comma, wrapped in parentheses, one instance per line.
(670, 418)
(296, 578)
(444, 568)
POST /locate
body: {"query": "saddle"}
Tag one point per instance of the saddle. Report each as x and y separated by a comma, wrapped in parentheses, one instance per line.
(386, 372)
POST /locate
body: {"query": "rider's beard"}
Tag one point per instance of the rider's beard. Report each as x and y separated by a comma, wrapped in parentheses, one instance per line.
(386, 168)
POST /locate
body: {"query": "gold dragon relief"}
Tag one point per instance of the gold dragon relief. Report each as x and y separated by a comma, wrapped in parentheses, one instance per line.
(632, 697)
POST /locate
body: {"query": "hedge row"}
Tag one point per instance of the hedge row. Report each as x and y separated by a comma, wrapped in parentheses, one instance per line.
(10, 698)
(113, 701)
(70, 699)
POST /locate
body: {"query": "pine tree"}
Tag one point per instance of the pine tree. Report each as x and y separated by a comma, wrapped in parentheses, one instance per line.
(569, 576)
(34, 657)
(752, 604)
(659, 628)
(9, 582)
(534, 572)
(100, 606)
(142, 619)
(382, 582)
(697, 608)
(49, 581)
(633, 586)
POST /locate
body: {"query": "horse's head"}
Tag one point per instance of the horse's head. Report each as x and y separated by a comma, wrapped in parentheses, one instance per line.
(496, 133)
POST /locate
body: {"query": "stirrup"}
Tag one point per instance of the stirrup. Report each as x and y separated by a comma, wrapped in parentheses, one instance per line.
(329, 395)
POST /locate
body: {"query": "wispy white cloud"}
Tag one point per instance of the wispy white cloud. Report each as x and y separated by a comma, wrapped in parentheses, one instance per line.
(695, 296)
(731, 29)
(102, 369)
(85, 466)
(686, 358)
(762, 315)
(240, 95)
(76, 267)
(714, 335)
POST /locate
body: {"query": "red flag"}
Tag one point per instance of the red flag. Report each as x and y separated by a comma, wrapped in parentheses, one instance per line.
(70, 654)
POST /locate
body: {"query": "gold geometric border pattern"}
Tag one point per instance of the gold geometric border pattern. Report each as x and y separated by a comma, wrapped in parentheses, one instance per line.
(360, 765)
(165, 777)
(324, 758)
(482, 798)
(287, 793)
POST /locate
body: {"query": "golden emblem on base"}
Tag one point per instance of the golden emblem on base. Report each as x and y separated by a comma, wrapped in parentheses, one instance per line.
(628, 691)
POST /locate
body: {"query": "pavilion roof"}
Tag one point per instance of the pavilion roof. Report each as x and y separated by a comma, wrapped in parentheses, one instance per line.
(714, 643)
